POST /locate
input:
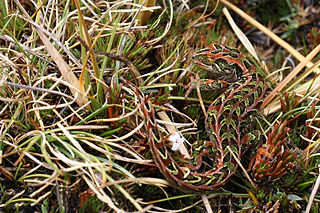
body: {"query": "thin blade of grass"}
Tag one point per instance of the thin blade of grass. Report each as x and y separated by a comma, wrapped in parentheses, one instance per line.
(242, 37)
(84, 34)
(172, 130)
(269, 33)
(241, 166)
(63, 67)
(292, 74)
(313, 194)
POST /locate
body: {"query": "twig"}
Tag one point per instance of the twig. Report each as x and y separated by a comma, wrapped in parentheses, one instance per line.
(37, 89)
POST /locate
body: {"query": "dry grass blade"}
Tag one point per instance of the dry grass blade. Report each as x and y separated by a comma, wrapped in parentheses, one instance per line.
(309, 88)
(84, 33)
(313, 194)
(71, 138)
(292, 74)
(11, 100)
(203, 16)
(47, 182)
(265, 30)
(6, 172)
(66, 72)
(41, 198)
(101, 194)
(241, 166)
(168, 26)
(172, 130)
(64, 68)
(302, 88)
(145, 180)
(242, 37)
(7, 60)
(206, 203)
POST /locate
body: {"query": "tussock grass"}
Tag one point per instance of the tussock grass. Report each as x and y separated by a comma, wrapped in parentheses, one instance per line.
(78, 80)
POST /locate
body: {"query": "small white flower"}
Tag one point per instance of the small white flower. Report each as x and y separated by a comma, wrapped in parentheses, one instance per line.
(176, 140)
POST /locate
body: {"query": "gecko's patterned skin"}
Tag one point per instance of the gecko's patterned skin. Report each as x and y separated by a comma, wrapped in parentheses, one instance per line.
(228, 123)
